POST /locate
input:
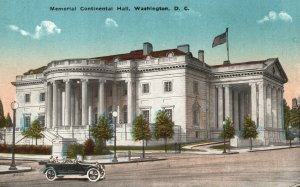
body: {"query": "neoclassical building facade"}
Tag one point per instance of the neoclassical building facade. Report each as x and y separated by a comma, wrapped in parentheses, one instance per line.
(69, 95)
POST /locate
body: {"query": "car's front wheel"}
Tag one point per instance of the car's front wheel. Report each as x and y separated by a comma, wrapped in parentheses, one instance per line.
(51, 174)
(93, 174)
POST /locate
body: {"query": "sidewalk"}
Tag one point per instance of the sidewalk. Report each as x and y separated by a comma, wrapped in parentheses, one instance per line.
(206, 150)
(203, 149)
(4, 169)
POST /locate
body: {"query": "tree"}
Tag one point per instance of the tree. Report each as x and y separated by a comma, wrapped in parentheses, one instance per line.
(229, 131)
(1, 109)
(2, 122)
(34, 131)
(141, 131)
(2, 117)
(89, 147)
(102, 131)
(163, 127)
(286, 116)
(295, 118)
(9, 122)
(249, 130)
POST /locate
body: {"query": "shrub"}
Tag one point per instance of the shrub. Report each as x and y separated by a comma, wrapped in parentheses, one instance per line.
(27, 149)
(89, 147)
(74, 150)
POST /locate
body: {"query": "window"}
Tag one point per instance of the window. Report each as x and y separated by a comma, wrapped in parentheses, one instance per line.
(197, 134)
(168, 86)
(42, 120)
(146, 115)
(195, 88)
(125, 90)
(125, 113)
(145, 88)
(196, 114)
(27, 122)
(27, 98)
(110, 117)
(42, 96)
(169, 113)
(110, 92)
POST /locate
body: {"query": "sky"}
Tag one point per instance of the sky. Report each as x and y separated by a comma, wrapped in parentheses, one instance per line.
(31, 35)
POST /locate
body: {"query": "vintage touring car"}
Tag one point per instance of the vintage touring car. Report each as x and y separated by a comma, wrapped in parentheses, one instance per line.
(55, 169)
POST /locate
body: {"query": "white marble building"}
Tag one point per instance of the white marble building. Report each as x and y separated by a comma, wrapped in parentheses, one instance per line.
(69, 95)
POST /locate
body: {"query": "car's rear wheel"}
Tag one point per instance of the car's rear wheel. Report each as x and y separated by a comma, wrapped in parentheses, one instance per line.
(51, 174)
(93, 174)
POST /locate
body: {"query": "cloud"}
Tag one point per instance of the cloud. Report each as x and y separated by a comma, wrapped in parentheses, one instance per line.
(285, 16)
(273, 16)
(46, 28)
(109, 22)
(43, 29)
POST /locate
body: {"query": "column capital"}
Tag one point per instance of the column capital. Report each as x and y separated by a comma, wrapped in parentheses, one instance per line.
(253, 83)
(219, 86)
(84, 80)
(129, 80)
(226, 85)
(66, 80)
(102, 80)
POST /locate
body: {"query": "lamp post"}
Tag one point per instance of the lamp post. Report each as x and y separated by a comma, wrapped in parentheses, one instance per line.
(224, 149)
(290, 135)
(115, 114)
(14, 106)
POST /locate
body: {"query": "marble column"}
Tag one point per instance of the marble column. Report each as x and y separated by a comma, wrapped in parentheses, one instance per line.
(280, 108)
(84, 102)
(72, 106)
(49, 105)
(67, 103)
(90, 105)
(77, 109)
(261, 105)
(253, 103)
(242, 108)
(220, 107)
(228, 102)
(59, 105)
(269, 106)
(101, 98)
(236, 109)
(274, 107)
(130, 105)
(114, 96)
(54, 109)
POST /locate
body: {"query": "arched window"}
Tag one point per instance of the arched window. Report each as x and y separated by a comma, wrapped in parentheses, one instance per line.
(125, 114)
(196, 114)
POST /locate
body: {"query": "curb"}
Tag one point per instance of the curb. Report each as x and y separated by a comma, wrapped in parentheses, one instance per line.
(258, 150)
(15, 171)
(43, 162)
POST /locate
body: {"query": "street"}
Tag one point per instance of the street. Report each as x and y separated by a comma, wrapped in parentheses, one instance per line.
(265, 168)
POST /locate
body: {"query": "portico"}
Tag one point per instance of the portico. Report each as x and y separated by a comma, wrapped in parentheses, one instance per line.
(79, 102)
(239, 94)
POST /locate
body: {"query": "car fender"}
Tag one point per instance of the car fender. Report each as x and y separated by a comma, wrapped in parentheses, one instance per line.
(46, 168)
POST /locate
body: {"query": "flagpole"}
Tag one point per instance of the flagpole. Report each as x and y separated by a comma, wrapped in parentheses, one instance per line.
(227, 44)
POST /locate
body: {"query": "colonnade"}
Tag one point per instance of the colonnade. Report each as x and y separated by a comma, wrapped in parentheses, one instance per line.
(262, 101)
(70, 102)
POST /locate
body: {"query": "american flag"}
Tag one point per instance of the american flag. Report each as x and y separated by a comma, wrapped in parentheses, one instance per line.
(220, 39)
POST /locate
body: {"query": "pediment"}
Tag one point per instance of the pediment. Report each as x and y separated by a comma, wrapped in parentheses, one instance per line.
(275, 70)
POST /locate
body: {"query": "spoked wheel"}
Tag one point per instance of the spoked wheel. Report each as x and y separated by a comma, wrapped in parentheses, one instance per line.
(51, 174)
(93, 174)
(102, 174)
